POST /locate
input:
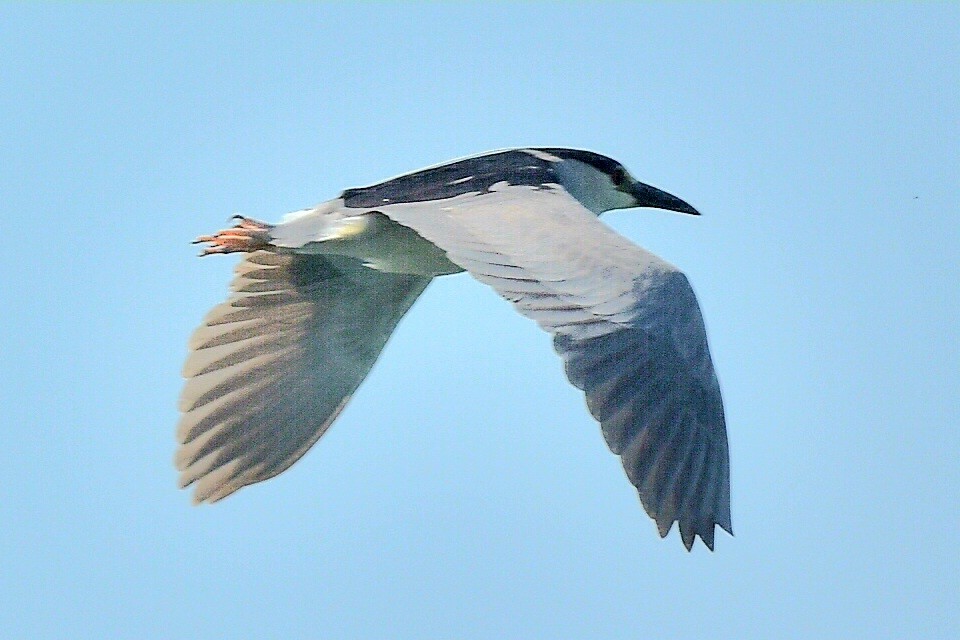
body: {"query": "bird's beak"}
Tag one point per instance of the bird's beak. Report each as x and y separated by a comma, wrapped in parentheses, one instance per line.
(648, 196)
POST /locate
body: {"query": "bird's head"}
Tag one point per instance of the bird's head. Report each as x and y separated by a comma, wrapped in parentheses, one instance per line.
(601, 184)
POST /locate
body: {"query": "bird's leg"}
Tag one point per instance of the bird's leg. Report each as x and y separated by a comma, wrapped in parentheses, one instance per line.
(246, 235)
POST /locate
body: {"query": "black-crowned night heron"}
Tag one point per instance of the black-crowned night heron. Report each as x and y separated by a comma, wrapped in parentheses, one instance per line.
(319, 294)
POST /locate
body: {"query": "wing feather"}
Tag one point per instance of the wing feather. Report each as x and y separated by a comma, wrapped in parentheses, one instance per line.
(275, 364)
(627, 326)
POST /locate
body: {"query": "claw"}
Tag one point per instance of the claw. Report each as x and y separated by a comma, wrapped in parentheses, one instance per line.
(245, 236)
(243, 222)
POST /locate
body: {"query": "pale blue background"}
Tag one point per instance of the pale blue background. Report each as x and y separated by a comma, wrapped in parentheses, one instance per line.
(466, 492)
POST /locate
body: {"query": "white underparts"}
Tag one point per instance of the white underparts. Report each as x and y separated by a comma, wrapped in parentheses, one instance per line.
(371, 237)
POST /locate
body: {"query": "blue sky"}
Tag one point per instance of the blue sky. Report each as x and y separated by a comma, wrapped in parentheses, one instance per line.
(466, 492)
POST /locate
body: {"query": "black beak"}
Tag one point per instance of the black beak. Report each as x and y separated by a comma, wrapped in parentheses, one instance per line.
(648, 196)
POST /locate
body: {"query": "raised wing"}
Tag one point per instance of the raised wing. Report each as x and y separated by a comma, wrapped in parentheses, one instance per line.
(272, 367)
(625, 322)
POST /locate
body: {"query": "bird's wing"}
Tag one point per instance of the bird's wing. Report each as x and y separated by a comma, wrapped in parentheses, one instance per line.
(627, 325)
(272, 367)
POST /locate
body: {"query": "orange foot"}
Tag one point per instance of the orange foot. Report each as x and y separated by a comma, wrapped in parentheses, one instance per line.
(247, 235)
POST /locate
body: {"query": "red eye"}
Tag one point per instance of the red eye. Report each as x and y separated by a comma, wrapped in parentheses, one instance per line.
(618, 176)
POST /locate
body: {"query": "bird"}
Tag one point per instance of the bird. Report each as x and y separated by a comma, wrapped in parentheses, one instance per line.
(317, 296)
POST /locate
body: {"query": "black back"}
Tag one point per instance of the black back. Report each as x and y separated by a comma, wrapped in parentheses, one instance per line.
(476, 174)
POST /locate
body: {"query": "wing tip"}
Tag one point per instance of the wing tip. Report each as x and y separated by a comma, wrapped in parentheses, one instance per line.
(692, 528)
(706, 531)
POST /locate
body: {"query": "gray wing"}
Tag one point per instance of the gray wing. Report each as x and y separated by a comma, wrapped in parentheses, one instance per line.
(272, 367)
(627, 326)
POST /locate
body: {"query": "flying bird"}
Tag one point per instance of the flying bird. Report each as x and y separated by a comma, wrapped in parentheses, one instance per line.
(317, 296)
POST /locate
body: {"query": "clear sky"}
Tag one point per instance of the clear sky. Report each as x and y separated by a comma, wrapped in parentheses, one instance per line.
(466, 492)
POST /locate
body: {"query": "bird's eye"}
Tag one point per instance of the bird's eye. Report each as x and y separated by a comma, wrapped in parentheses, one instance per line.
(618, 176)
